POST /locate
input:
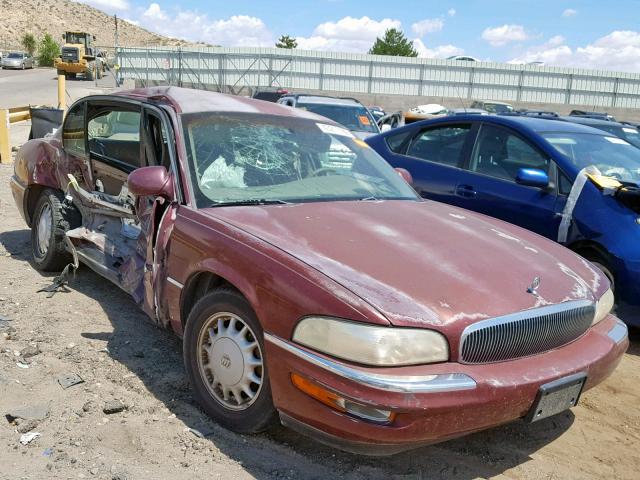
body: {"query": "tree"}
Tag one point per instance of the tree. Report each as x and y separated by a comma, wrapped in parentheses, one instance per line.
(285, 41)
(48, 50)
(29, 43)
(393, 43)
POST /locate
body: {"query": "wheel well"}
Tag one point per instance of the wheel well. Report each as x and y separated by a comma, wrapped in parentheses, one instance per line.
(197, 286)
(595, 252)
(33, 194)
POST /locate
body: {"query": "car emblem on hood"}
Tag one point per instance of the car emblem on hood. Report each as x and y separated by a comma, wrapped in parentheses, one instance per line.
(533, 288)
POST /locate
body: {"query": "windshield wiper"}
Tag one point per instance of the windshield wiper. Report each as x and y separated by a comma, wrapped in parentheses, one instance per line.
(251, 201)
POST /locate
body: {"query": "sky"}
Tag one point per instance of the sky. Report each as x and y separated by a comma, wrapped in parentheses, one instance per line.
(593, 34)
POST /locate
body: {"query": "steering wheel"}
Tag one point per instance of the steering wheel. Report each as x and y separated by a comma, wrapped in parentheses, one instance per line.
(322, 170)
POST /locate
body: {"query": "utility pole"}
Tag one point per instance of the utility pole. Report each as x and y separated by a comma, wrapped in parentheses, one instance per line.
(116, 66)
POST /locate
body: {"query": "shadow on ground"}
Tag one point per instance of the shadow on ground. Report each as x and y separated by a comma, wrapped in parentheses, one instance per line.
(634, 341)
(155, 356)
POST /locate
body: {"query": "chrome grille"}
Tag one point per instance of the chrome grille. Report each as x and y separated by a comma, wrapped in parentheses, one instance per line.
(525, 333)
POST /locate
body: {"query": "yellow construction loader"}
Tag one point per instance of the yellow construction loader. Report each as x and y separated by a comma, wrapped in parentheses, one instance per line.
(80, 56)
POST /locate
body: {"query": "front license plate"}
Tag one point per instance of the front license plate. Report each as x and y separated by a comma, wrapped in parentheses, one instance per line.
(556, 397)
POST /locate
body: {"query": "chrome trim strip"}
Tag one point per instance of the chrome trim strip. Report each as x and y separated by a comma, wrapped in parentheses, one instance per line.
(451, 382)
(618, 332)
(174, 282)
(521, 316)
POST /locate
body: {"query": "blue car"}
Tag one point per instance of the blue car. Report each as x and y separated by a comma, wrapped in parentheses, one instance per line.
(568, 182)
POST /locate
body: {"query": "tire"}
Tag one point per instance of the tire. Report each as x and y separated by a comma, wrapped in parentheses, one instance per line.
(50, 222)
(88, 74)
(22, 68)
(225, 313)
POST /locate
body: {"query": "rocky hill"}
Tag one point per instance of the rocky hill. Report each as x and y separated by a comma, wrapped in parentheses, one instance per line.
(57, 16)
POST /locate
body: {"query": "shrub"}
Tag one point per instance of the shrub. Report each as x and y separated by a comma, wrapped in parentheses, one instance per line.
(48, 50)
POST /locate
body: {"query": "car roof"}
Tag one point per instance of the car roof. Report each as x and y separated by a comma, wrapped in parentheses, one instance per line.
(591, 121)
(188, 100)
(531, 124)
(325, 100)
(494, 102)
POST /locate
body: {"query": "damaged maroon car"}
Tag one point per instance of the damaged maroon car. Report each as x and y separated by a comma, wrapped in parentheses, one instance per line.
(310, 284)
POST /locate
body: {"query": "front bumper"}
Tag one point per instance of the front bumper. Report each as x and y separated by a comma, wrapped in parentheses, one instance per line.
(70, 67)
(11, 64)
(432, 403)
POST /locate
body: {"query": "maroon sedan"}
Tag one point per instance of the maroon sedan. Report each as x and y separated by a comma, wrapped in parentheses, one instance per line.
(309, 282)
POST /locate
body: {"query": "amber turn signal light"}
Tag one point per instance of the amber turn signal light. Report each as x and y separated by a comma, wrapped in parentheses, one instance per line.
(316, 391)
(335, 401)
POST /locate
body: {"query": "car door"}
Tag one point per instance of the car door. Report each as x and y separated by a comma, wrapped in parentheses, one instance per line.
(488, 183)
(121, 237)
(434, 155)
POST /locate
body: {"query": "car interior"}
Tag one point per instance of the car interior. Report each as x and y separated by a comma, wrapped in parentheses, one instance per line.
(500, 154)
(440, 145)
(121, 138)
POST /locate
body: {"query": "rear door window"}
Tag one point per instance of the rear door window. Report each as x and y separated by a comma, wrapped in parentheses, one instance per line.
(443, 145)
(398, 143)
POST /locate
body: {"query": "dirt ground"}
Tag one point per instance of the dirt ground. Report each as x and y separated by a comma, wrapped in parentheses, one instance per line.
(95, 331)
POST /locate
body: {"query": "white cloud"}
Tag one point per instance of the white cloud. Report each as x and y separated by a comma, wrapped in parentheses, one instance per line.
(569, 12)
(619, 50)
(451, 12)
(238, 30)
(441, 51)
(108, 5)
(428, 25)
(154, 12)
(499, 36)
(347, 34)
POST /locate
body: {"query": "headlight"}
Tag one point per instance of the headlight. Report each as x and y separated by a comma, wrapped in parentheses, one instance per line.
(371, 345)
(604, 306)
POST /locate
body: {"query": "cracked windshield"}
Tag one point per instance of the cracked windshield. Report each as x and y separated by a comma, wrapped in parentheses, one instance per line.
(257, 159)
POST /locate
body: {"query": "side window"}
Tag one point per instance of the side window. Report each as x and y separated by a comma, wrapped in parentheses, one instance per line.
(156, 146)
(114, 135)
(73, 134)
(398, 143)
(564, 184)
(499, 153)
(442, 145)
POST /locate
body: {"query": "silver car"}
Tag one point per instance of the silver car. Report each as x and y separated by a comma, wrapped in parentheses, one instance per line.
(17, 60)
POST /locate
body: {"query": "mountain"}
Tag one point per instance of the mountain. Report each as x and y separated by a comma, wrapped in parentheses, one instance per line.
(57, 16)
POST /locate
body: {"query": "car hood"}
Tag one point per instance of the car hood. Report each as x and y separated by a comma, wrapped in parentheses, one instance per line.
(422, 263)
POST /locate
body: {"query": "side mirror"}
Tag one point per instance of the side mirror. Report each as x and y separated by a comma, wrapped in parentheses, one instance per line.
(385, 128)
(532, 177)
(406, 176)
(150, 181)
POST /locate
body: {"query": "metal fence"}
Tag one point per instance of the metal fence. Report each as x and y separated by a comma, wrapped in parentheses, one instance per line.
(237, 69)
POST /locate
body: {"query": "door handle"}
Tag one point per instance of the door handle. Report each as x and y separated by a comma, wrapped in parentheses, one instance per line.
(465, 191)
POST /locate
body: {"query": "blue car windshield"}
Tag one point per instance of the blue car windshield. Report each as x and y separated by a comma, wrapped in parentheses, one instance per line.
(613, 156)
